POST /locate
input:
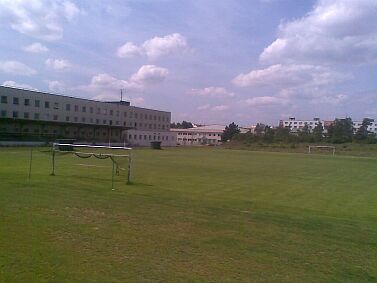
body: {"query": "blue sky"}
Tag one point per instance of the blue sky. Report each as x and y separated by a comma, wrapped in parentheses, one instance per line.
(205, 61)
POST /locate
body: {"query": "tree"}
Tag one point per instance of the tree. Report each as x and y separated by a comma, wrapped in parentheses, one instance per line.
(229, 132)
(362, 133)
(318, 132)
(183, 125)
(260, 129)
(341, 131)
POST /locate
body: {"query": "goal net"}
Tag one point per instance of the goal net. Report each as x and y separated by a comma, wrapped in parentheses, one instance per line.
(322, 149)
(119, 157)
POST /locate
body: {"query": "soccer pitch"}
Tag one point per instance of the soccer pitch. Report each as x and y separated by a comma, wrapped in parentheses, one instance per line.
(191, 214)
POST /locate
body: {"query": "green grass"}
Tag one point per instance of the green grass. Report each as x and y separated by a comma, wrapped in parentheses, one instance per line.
(191, 215)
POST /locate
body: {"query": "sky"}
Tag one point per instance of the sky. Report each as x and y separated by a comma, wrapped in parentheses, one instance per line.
(206, 61)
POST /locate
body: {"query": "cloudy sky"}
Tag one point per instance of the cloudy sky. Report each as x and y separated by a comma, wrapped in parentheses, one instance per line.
(207, 61)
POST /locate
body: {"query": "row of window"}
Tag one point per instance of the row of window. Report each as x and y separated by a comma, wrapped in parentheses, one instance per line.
(67, 132)
(26, 115)
(148, 137)
(84, 109)
(199, 140)
(191, 134)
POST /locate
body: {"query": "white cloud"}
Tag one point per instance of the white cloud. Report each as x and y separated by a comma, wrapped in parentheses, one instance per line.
(161, 46)
(18, 85)
(211, 91)
(329, 99)
(56, 86)
(155, 47)
(58, 64)
(106, 87)
(335, 31)
(129, 50)
(35, 47)
(279, 76)
(41, 19)
(265, 101)
(220, 108)
(203, 107)
(16, 68)
(149, 74)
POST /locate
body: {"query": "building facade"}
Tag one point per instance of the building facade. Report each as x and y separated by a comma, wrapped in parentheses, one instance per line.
(371, 128)
(297, 125)
(201, 135)
(34, 115)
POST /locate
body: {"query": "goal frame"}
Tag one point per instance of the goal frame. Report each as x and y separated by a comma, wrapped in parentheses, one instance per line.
(333, 148)
(56, 148)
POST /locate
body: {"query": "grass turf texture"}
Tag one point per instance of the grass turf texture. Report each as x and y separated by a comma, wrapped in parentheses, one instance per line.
(198, 215)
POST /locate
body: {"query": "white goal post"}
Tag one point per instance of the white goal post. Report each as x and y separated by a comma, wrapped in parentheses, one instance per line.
(114, 153)
(332, 148)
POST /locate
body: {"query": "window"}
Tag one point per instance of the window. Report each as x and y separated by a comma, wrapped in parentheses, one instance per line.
(68, 107)
(111, 112)
(55, 117)
(125, 114)
(98, 110)
(4, 99)
(36, 116)
(104, 111)
(26, 115)
(67, 118)
(56, 105)
(104, 122)
(140, 137)
(135, 115)
(91, 109)
(27, 102)
(47, 104)
(3, 113)
(117, 113)
(135, 137)
(76, 108)
(130, 137)
(97, 121)
(75, 119)
(37, 103)
(83, 119)
(84, 109)
(15, 114)
(15, 100)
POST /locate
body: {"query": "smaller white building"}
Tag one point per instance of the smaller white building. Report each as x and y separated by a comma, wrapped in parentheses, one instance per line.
(371, 128)
(202, 135)
(297, 125)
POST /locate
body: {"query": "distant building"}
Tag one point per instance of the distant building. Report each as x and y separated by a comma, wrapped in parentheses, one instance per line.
(34, 115)
(201, 135)
(372, 128)
(297, 125)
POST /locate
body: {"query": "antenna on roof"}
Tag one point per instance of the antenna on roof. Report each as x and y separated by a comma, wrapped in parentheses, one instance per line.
(121, 95)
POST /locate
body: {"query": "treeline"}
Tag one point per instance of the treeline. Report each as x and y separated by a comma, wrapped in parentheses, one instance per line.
(341, 131)
(183, 125)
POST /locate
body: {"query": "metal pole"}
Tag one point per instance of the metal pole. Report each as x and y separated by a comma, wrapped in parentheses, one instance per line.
(129, 168)
(53, 160)
(112, 177)
(31, 160)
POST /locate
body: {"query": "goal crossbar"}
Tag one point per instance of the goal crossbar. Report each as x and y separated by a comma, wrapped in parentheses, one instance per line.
(322, 146)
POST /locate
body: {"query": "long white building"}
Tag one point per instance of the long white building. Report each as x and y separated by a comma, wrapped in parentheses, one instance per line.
(34, 115)
(297, 125)
(202, 135)
(372, 128)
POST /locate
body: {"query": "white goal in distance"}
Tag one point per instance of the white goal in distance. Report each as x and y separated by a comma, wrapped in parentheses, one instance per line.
(119, 155)
(322, 147)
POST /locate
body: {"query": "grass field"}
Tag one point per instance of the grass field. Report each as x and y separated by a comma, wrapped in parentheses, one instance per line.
(191, 215)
